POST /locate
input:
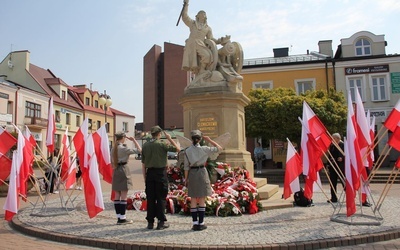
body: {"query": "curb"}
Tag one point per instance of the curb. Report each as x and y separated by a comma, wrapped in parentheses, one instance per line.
(110, 244)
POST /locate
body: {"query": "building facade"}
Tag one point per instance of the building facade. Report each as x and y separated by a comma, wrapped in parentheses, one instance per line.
(25, 92)
(163, 86)
(361, 62)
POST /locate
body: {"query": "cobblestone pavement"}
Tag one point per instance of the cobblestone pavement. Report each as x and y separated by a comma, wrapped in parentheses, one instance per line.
(289, 228)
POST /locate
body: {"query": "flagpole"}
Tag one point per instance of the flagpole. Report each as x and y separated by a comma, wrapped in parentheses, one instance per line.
(19, 194)
(384, 193)
(375, 170)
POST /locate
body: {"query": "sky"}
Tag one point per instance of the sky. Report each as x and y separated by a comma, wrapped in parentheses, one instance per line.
(104, 41)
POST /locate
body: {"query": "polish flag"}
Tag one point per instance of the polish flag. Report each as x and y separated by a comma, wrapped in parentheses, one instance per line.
(5, 168)
(68, 171)
(7, 141)
(362, 129)
(316, 128)
(25, 169)
(314, 155)
(349, 173)
(371, 156)
(353, 147)
(51, 128)
(102, 149)
(292, 171)
(79, 143)
(91, 181)
(71, 178)
(393, 119)
(11, 204)
(28, 135)
(394, 140)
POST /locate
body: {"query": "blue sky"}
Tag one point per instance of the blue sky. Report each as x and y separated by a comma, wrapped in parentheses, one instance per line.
(103, 41)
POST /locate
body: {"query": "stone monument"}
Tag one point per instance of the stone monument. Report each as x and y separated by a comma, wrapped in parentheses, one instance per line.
(213, 102)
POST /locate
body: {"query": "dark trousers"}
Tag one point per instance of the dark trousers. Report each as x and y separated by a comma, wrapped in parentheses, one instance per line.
(334, 179)
(156, 193)
(51, 177)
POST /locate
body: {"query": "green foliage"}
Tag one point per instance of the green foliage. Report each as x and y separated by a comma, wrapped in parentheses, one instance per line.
(273, 113)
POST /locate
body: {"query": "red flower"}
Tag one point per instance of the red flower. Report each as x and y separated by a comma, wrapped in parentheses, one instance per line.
(253, 207)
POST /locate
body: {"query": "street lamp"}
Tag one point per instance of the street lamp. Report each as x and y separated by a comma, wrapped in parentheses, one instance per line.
(105, 101)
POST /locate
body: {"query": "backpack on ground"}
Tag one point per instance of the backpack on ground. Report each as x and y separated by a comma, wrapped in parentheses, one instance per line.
(300, 200)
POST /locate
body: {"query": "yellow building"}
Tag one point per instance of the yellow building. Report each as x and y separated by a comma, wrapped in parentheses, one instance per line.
(95, 110)
(310, 71)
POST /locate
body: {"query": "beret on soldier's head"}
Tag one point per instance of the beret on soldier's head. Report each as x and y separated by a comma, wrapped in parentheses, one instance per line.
(196, 133)
(155, 129)
(120, 135)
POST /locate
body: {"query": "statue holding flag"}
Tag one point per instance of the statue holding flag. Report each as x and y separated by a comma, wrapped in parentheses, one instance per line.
(203, 58)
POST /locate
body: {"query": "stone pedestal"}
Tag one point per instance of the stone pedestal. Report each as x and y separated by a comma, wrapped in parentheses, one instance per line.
(215, 110)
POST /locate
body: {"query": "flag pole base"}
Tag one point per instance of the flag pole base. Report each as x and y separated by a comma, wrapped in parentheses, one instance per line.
(357, 219)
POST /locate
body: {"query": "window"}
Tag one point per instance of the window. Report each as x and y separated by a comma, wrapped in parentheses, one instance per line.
(58, 117)
(303, 85)
(68, 118)
(379, 88)
(63, 95)
(78, 121)
(356, 83)
(96, 104)
(262, 85)
(98, 124)
(363, 47)
(108, 127)
(125, 127)
(87, 101)
(33, 109)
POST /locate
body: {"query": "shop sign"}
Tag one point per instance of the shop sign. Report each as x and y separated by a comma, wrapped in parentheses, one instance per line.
(367, 69)
(395, 79)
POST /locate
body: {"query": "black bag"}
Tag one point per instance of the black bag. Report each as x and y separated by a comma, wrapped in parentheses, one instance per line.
(300, 200)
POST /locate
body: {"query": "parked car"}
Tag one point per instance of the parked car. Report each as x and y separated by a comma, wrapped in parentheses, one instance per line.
(172, 155)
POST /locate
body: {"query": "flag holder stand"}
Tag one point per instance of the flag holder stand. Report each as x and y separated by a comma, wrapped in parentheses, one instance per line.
(361, 218)
(47, 210)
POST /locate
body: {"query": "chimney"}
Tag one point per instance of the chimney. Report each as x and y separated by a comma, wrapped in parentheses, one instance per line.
(325, 47)
(281, 52)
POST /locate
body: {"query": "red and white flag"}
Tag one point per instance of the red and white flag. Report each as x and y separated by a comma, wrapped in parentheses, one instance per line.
(349, 173)
(79, 142)
(292, 171)
(362, 129)
(393, 119)
(353, 147)
(51, 128)
(5, 168)
(71, 179)
(312, 150)
(11, 204)
(91, 181)
(25, 169)
(28, 135)
(102, 149)
(68, 172)
(7, 141)
(316, 127)
(371, 156)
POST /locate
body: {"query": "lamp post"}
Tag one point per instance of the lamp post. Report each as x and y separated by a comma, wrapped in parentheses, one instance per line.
(105, 101)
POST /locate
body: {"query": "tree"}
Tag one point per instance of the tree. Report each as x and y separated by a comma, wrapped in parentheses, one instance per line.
(273, 113)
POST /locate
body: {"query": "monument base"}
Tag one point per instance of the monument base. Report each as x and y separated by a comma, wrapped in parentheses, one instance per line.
(238, 158)
(216, 110)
